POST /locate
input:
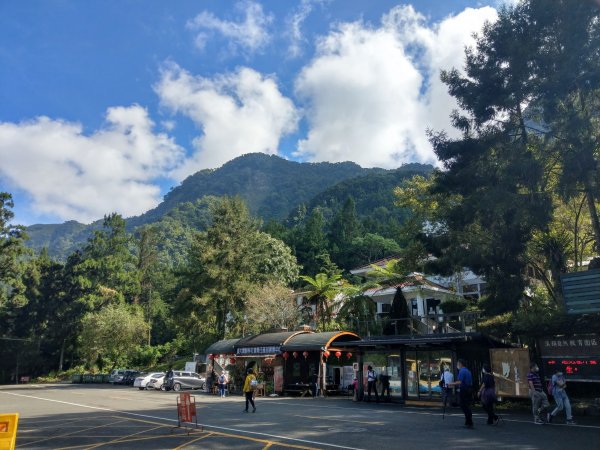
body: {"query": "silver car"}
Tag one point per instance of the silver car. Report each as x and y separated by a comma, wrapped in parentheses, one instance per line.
(187, 380)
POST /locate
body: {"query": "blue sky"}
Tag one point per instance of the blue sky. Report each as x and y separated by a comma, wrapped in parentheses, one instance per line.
(105, 105)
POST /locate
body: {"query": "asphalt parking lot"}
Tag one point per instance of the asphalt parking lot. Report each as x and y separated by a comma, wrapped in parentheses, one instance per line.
(88, 416)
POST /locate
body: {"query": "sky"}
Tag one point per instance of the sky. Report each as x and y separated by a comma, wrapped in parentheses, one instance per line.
(105, 105)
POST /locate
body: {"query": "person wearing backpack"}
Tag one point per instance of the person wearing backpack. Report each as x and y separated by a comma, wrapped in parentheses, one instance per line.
(558, 387)
(250, 385)
(371, 384)
(222, 380)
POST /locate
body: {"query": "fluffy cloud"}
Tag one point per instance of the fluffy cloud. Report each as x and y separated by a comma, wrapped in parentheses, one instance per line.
(241, 112)
(372, 92)
(249, 34)
(74, 176)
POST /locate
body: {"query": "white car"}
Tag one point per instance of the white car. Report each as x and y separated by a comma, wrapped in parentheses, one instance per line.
(156, 382)
(141, 382)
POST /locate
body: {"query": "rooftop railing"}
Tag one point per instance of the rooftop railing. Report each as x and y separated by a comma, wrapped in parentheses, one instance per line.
(414, 326)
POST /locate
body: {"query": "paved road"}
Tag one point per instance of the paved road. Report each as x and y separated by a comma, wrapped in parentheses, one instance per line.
(88, 416)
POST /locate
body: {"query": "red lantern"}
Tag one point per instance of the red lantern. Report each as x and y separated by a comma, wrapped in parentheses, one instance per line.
(348, 355)
(338, 354)
(211, 356)
(295, 354)
(305, 355)
(285, 355)
(232, 360)
(326, 353)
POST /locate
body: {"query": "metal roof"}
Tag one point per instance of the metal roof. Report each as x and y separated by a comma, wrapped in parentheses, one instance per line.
(318, 341)
(268, 339)
(426, 339)
(224, 346)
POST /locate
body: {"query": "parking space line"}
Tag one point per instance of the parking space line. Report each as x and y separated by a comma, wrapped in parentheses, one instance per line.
(194, 440)
(125, 438)
(72, 433)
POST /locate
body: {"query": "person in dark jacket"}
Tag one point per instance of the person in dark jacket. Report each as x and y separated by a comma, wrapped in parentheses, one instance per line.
(314, 384)
(465, 386)
(487, 394)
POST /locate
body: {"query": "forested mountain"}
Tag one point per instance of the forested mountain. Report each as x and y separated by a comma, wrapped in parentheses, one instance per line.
(272, 188)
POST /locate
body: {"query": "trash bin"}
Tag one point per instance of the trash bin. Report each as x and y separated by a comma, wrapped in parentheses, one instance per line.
(76, 378)
(105, 377)
(88, 377)
(98, 378)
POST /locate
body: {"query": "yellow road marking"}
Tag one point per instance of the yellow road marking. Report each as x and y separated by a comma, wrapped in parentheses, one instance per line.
(125, 438)
(192, 441)
(267, 446)
(74, 432)
(341, 420)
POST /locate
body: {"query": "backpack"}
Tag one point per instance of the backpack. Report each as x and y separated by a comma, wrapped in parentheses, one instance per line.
(222, 379)
(253, 385)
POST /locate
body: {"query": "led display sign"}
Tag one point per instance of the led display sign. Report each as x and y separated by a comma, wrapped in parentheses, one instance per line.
(586, 368)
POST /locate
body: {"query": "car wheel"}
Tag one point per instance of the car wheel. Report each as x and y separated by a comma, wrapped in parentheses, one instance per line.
(141, 388)
(203, 387)
(176, 387)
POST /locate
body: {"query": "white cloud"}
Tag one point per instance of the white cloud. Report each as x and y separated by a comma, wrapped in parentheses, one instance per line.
(240, 112)
(294, 23)
(372, 92)
(74, 176)
(250, 33)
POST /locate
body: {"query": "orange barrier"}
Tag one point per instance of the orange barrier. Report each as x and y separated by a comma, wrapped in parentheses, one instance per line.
(186, 409)
(8, 431)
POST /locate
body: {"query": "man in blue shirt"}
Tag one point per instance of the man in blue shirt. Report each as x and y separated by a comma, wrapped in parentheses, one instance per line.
(465, 386)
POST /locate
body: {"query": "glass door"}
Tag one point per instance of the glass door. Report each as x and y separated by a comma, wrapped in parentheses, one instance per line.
(412, 375)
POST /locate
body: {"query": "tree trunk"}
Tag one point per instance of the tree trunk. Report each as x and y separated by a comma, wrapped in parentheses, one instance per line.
(62, 355)
(589, 193)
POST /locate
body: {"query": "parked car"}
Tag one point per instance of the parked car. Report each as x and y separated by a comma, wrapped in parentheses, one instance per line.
(130, 376)
(117, 375)
(187, 380)
(156, 382)
(142, 380)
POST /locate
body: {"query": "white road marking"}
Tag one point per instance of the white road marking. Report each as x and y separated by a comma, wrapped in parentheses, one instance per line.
(304, 441)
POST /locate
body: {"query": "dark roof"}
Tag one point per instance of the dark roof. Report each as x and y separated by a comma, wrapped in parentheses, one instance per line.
(317, 341)
(268, 339)
(224, 346)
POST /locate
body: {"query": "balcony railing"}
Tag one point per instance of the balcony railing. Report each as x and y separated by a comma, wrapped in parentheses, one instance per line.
(430, 324)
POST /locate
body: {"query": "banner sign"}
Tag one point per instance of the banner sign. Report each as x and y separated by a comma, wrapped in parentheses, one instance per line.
(577, 356)
(581, 345)
(269, 350)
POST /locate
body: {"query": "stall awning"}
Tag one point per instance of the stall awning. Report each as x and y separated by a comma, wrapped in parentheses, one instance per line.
(430, 339)
(222, 347)
(266, 343)
(318, 341)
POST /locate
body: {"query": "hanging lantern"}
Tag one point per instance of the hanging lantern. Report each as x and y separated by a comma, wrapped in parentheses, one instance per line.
(232, 360)
(285, 355)
(295, 355)
(338, 354)
(305, 354)
(211, 356)
(326, 353)
(348, 355)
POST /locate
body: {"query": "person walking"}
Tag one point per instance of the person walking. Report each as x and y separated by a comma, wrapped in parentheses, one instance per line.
(169, 379)
(487, 394)
(539, 399)
(249, 388)
(222, 380)
(465, 394)
(561, 398)
(446, 383)
(371, 384)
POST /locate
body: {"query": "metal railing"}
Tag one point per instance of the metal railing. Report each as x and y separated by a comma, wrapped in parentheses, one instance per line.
(429, 324)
